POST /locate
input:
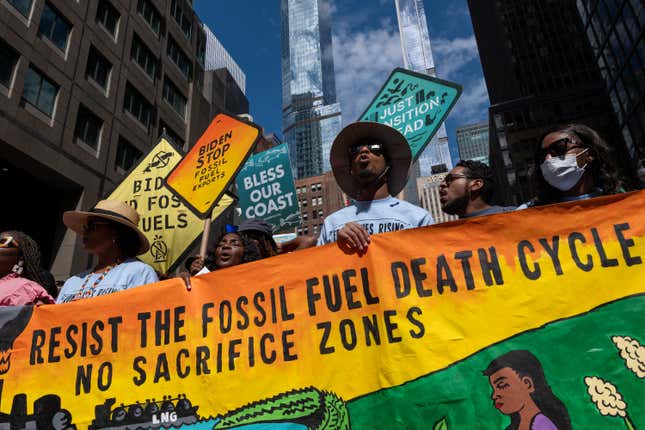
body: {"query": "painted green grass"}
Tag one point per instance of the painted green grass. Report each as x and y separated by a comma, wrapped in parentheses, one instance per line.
(569, 350)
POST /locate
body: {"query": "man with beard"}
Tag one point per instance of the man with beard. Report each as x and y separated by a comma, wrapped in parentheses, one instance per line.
(371, 163)
(467, 191)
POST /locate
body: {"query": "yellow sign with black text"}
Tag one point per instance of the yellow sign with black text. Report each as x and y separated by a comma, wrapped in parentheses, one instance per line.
(167, 223)
(202, 176)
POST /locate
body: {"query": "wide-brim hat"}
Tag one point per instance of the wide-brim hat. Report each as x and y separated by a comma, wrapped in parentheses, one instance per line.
(111, 210)
(396, 147)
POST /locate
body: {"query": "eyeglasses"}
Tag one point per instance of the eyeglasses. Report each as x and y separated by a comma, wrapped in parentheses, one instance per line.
(451, 177)
(559, 148)
(9, 242)
(93, 225)
(374, 148)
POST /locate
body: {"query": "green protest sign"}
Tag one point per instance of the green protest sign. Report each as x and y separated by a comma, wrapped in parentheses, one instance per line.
(415, 104)
(266, 189)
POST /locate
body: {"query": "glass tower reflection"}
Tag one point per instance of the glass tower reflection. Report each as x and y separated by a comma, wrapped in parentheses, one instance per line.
(310, 114)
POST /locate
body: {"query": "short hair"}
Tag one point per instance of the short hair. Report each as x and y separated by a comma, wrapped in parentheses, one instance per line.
(478, 170)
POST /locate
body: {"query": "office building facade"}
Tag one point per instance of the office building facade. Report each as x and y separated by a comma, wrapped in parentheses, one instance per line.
(318, 196)
(86, 89)
(540, 72)
(311, 115)
(472, 142)
(616, 33)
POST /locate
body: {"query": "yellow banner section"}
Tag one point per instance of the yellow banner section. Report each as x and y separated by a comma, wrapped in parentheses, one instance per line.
(206, 170)
(168, 224)
(417, 302)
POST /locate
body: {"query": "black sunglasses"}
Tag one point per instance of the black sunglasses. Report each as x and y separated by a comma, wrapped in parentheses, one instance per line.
(451, 177)
(559, 148)
(375, 148)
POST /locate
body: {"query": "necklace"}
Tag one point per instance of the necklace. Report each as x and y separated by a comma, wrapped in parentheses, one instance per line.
(83, 292)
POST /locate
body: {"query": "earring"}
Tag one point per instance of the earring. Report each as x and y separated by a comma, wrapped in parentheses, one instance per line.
(17, 268)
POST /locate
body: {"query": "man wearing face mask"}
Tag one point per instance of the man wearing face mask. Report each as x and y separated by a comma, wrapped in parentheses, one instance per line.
(572, 163)
(467, 191)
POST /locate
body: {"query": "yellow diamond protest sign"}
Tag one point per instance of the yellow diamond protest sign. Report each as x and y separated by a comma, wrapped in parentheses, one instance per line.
(168, 224)
(208, 168)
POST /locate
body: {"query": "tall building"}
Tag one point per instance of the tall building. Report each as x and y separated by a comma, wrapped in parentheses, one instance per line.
(318, 196)
(472, 141)
(311, 116)
(429, 197)
(217, 57)
(86, 88)
(540, 72)
(616, 33)
(417, 56)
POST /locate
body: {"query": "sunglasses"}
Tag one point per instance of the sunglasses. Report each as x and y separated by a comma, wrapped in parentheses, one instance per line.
(452, 177)
(559, 148)
(374, 148)
(93, 225)
(9, 242)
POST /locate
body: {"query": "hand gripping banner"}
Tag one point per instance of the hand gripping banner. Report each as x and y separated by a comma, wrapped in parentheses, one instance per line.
(530, 319)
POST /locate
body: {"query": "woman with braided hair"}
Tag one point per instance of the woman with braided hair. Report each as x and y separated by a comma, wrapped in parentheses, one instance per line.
(21, 277)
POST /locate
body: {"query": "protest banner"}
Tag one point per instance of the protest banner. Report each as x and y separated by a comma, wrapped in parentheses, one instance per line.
(168, 224)
(415, 104)
(202, 176)
(453, 326)
(266, 189)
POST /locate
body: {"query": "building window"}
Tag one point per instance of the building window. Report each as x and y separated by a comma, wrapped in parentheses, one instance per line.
(313, 201)
(144, 57)
(150, 14)
(174, 97)
(126, 156)
(98, 68)
(107, 16)
(137, 105)
(179, 58)
(201, 50)
(314, 215)
(40, 91)
(54, 27)
(320, 213)
(23, 6)
(8, 64)
(88, 128)
(181, 19)
(174, 136)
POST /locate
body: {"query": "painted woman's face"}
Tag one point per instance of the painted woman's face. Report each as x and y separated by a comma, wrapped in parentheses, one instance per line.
(229, 251)
(510, 392)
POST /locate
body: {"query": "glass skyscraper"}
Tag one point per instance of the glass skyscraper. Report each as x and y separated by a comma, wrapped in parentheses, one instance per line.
(417, 56)
(311, 116)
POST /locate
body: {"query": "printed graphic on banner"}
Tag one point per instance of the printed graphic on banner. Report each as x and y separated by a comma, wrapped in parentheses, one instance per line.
(168, 224)
(205, 172)
(530, 319)
(266, 189)
(415, 104)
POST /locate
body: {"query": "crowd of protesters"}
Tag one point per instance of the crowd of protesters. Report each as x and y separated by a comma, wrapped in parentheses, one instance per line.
(371, 163)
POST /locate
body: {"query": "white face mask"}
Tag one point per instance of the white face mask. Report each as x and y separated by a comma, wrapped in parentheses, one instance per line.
(563, 172)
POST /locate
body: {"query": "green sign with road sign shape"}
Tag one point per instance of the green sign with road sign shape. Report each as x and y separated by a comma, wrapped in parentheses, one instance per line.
(415, 104)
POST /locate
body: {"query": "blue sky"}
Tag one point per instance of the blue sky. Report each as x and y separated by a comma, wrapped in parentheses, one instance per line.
(366, 49)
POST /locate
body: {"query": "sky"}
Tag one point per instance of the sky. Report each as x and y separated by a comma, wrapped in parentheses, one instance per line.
(367, 48)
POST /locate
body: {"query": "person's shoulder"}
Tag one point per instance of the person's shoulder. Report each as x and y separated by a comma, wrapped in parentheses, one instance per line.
(135, 265)
(542, 422)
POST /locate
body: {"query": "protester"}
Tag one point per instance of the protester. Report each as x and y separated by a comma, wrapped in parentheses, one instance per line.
(573, 164)
(467, 191)
(232, 249)
(110, 232)
(21, 281)
(261, 233)
(371, 163)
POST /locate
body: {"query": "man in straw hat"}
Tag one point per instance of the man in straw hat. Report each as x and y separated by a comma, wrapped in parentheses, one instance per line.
(110, 231)
(371, 163)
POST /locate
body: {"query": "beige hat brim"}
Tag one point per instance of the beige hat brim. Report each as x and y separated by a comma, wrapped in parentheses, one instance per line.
(396, 146)
(75, 220)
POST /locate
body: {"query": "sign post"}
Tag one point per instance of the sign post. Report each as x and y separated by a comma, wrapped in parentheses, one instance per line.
(415, 104)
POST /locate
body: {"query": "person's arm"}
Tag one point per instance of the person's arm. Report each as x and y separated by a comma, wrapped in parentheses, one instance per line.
(300, 242)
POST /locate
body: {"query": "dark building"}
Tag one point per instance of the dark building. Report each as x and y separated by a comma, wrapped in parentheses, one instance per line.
(540, 72)
(616, 32)
(86, 88)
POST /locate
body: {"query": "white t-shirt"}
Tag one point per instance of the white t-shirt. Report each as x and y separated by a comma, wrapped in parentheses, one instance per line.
(129, 274)
(376, 216)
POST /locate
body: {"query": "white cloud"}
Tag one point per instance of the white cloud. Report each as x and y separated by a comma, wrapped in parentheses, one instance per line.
(363, 61)
(473, 104)
(453, 54)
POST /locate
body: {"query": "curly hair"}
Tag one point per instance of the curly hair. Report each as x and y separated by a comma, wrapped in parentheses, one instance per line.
(478, 170)
(29, 252)
(251, 251)
(601, 168)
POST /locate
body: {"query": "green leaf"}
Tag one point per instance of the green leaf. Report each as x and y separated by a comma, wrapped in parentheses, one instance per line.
(442, 424)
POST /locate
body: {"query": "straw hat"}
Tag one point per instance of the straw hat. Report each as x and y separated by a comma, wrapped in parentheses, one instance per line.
(396, 147)
(112, 210)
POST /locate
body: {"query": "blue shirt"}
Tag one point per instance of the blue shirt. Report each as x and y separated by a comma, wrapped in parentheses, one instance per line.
(129, 274)
(376, 216)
